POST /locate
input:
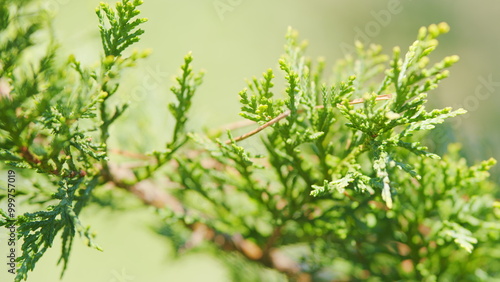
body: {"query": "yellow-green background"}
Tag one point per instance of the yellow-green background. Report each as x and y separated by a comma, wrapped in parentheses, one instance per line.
(239, 44)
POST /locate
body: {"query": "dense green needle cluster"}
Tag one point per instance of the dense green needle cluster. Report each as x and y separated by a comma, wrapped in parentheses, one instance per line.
(383, 128)
(333, 183)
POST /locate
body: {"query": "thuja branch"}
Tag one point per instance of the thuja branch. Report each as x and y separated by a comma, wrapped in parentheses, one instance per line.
(314, 190)
(246, 123)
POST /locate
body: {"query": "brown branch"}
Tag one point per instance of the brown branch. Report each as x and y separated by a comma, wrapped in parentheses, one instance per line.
(287, 113)
(260, 128)
(150, 195)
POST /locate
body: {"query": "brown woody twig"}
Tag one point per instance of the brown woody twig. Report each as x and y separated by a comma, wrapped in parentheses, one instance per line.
(287, 113)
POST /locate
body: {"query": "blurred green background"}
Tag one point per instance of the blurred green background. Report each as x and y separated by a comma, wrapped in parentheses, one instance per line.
(237, 39)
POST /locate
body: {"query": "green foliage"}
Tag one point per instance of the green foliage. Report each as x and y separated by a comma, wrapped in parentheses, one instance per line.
(342, 186)
(55, 120)
(39, 229)
(383, 129)
(118, 27)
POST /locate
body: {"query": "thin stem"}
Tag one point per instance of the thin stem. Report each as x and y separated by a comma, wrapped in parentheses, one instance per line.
(262, 127)
(287, 113)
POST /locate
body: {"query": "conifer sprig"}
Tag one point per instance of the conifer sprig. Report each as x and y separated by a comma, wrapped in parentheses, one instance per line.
(187, 84)
(119, 26)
